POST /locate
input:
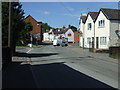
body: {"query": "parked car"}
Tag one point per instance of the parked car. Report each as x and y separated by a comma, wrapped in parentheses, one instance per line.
(60, 42)
(64, 43)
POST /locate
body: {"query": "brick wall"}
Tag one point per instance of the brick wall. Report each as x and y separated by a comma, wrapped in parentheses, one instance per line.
(37, 26)
(76, 37)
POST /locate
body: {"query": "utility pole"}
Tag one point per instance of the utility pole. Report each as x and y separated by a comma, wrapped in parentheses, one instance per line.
(9, 48)
(9, 27)
(0, 46)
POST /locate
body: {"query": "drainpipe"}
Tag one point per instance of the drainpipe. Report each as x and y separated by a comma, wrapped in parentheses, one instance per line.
(94, 37)
(83, 36)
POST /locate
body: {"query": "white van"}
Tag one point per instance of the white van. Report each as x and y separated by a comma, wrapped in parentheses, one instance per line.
(57, 42)
(60, 42)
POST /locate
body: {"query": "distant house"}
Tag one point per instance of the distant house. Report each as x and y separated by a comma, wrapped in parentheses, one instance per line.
(76, 37)
(51, 35)
(99, 29)
(36, 33)
(46, 36)
(60, 33)
(69, 34)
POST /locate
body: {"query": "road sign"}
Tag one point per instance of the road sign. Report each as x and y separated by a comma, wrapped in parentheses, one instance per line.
(31, 35)
(38, 35)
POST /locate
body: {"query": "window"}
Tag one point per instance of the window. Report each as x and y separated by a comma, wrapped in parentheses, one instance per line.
(101, 23)
(88, 40)
(89, 26)
(103, 40)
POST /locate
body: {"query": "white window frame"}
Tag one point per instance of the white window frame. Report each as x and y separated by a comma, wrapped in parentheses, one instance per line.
(89, 26)
(88, 40)
(101, 23)
(103, 40)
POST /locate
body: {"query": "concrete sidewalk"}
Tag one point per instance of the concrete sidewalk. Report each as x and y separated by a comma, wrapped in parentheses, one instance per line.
(100, 56)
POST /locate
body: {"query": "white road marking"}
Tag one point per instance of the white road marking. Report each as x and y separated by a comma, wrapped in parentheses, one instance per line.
(29, 50)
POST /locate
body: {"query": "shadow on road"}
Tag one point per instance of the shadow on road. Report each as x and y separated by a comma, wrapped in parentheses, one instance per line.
(55, 75)
(30, 55)
(46, 43)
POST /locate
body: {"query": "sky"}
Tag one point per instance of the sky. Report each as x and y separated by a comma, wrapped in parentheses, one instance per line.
(59, 14)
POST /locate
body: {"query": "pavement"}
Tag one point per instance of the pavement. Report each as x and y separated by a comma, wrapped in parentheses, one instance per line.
(85, 52)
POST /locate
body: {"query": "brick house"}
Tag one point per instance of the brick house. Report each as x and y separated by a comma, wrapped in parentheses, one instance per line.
(76, 37)
(37, 29)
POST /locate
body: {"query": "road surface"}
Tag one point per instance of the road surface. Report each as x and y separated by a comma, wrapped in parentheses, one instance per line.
(59, 67)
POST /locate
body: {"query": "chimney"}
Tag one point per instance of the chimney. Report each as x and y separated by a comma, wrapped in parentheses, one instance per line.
(69, 26)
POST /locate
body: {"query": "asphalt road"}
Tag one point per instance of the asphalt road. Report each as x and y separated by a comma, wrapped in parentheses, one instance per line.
(58, 67)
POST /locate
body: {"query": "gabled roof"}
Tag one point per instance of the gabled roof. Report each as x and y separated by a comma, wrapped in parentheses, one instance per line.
(93, 15)
(111, 14)
(31, 17)
(83, 18)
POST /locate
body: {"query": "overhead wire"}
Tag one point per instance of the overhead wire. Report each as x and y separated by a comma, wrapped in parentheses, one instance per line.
(67, 10)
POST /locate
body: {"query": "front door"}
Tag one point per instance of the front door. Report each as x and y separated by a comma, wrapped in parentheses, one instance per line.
(92, 42)
(83, 42)
(97, 42)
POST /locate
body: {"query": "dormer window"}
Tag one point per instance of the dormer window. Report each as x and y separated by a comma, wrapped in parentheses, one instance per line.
(101, 23)
(89, 26)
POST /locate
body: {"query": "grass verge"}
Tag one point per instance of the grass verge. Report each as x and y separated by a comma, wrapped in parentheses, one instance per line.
(22, 46)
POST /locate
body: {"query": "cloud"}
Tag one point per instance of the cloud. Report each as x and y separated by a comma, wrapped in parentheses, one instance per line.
(70, 8)
(42, 12)
(72, 15)
(46, 12)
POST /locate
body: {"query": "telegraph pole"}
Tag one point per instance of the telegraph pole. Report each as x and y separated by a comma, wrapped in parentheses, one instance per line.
(9, 26)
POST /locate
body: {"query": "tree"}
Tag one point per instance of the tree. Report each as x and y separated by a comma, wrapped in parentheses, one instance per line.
(5, 14)
(45, 27)
(25, 33)
(17, 23)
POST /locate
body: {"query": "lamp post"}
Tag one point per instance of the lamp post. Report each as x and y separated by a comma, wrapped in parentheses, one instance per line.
(9, 26)
(31, 39)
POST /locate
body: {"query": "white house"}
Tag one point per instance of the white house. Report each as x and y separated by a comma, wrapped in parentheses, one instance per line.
(69, 34)
(106, 23)
(82, 26)
(46, 37)
(55, 34)
(49, 36)
(89, 30)
(66, 33)
(100, 27)
(59, 33)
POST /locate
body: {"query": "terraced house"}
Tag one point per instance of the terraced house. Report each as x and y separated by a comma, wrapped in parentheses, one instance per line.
(99, 29)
